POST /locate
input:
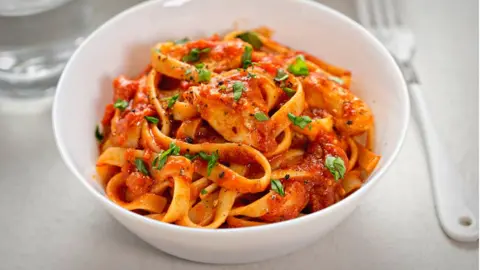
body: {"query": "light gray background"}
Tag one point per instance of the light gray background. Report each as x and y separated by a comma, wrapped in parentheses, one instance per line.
(49, 221)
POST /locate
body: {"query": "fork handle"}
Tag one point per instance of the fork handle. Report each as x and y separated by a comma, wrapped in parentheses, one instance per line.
(456, 219)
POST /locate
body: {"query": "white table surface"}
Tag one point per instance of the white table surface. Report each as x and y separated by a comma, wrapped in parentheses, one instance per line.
(49, 221)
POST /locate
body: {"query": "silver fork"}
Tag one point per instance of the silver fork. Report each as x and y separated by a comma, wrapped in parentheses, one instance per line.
(384, 19)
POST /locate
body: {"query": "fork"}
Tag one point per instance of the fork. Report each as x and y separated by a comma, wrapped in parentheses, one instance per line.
(384, 19)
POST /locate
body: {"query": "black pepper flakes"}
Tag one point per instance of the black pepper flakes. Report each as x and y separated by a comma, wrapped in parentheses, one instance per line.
(287, 176)
(349, 122)
(221, 175)
(189, 139)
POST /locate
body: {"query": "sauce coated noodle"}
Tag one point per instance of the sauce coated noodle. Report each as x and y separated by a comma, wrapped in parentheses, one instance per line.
(233, 131)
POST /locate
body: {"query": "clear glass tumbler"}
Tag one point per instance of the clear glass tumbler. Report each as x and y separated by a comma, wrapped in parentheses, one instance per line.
(37, 37)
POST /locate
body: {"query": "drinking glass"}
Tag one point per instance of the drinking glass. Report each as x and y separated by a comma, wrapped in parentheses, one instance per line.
(37, 37)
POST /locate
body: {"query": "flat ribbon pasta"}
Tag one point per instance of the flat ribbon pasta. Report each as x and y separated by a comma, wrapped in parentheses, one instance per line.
(234, 131)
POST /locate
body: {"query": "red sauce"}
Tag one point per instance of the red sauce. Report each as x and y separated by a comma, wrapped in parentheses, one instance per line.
(186, 84)
(348, 109)
(138, 184)
(227, 50)
(322, 187)
(108, 114)
(134, 114)
(124, 88)
(200, 44)
(288, 207)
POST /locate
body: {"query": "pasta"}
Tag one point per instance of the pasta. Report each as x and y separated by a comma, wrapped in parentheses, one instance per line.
(233, 131)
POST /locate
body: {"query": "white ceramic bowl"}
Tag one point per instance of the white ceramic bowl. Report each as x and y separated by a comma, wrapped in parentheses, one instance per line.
(122, 46)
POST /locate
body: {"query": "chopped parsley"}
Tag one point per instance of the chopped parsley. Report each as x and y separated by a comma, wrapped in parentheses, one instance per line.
(171, 100)
(289, 91)
(336, 166)
(191, 156)
(120, 104)
(260, 116)
(281, 75)
(300, 121)
(204, 75)
(151, 119)
(203, 192)
(194, 55)
(200, 65)
(251, 75)
(212, 160)
(238, 88)
(299, 67)
(141, 166)
(252, 38)
(277, 186)
(160, 160)
(247, 57)
(98, 134)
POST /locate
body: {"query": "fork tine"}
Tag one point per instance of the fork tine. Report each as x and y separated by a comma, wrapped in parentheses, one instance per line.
(390, 12)
(364, 14)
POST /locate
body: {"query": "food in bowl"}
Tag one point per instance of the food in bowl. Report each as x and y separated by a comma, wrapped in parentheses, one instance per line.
(234, 131)
(123, 45)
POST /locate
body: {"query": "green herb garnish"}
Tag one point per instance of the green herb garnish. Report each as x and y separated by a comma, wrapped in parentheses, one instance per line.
(120, 104)
(336, 166)
(289, 91)
(141, 166)
(203, 192)
(212, 160)
(260, 116)
(277, 186)
(251, 75)
(194, 55)
(171, 100)
(160, 160)
(151, 119)
(238, 88)
(98, 134)
(200, 65)
(300, 121)
(247, 57)
(299, 67)
(252, 38)
(190, 156)
(281, 75)
(204, 75)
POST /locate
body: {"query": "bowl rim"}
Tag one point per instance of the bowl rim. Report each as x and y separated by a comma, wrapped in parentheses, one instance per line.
(278, 225)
